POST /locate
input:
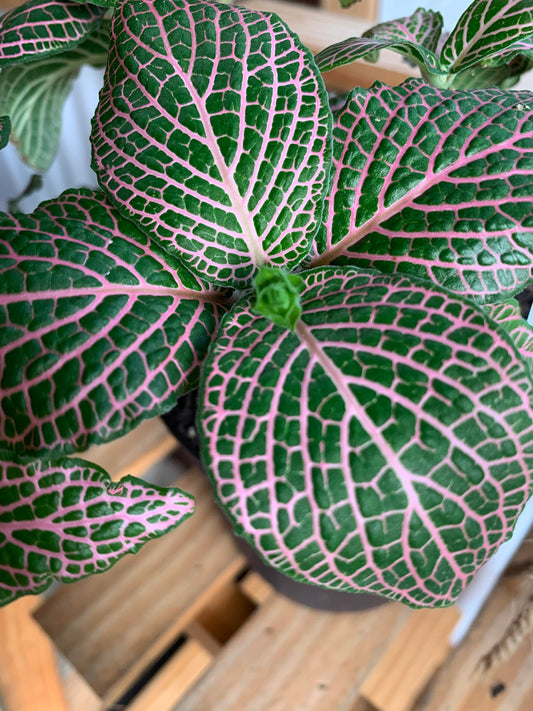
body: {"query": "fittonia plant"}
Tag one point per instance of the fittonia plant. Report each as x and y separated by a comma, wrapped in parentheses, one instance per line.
(339, 285)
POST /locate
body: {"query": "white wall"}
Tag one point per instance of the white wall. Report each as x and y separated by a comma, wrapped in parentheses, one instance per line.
(450, 10)
(71, 168)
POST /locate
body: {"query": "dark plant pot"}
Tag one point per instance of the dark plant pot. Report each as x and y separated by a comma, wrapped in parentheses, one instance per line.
(181, 423)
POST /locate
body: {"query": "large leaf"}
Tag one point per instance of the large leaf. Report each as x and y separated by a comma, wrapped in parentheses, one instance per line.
(435, 183)
(98, 329)
(213, 133)
(415, 37)
(487, 27)
(5, 131)
(40, 28)
(65, 520)
(33, 95)
(386, 445)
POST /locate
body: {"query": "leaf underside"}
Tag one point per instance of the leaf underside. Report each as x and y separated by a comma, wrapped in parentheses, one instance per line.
(98, 329)
(434, 183)
(386, 445)
(41, 28)
(213, 133)
(65, 520)
(33, 94)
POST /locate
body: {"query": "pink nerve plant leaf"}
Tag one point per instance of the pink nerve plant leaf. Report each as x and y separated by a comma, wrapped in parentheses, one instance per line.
(507, 315)
(98, 329)
(66, 519)
(385, 445)
(415, 37)
(434, 183)
(487, 28)
(40, 28)
(213, 134)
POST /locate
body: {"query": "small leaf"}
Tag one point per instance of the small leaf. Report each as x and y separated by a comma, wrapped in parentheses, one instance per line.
(98, 328)
(277, 296)
(66, 519)
(486, 28)
(213, 134)
(386, 445)
(507, 315)
(415, 37)
(40, 28)
(5, 131)
(435, 183)
(33, 95)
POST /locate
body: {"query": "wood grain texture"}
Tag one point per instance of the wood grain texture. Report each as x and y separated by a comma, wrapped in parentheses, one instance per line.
(411, 660)
(459, 685)
(110, 627)
(290, 657)
(174, 679)
(134, 453)
(365, 10)
(29, 678)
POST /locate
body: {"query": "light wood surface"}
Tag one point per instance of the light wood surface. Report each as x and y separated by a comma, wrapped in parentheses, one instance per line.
(291, 658)
(134, 453)
(111, 626)
(364, 10)
(411, 660)
(28, 668)
(174, 679)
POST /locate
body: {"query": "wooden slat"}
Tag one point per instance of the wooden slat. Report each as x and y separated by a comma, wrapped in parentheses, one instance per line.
(411, 660)
(134, 453)
(177, 676)
(365, 10)
(458, 686)
(111, 626)
(288, 657)
(29, 678)
(256, 588)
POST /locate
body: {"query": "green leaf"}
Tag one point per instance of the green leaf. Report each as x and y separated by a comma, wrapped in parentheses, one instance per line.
(33, 95)
(386, 445)
(41, 28)
(277, 296)
(487, 28)
(415, 37)
(5, 131)
(66, 519)
(507, 315)
(435, 183)
(213, 134)
(99, 329)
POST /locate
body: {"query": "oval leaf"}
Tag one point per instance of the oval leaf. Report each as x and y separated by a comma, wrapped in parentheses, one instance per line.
(435, 183)
(66, 519)
(98, 330)
(487, 27)
(385, 445)
(213, 133)
(40, 28)
(415, 37)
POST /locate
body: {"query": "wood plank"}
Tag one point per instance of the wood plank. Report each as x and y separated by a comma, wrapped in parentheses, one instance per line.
(111, 626)
(459, 685)
(256, 588)
(365, 10)
(134, 453)
(174, 679)
(411, 660)
(290, 657)
(29, 679)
